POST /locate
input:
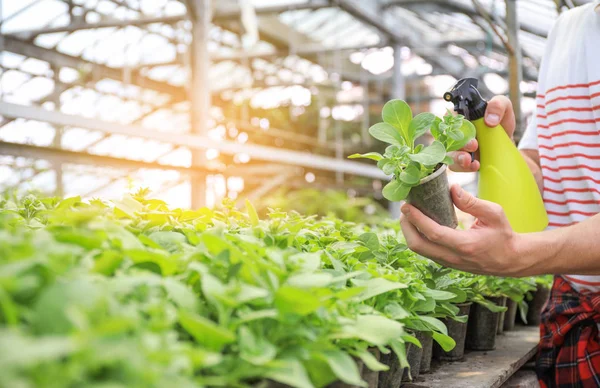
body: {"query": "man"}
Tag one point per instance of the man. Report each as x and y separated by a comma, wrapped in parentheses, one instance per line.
(562, 148)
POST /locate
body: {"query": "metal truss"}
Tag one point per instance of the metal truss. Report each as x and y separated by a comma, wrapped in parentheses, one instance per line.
(195, 29)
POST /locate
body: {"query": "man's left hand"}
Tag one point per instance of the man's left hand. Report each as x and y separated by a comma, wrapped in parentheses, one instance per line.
(489, 247)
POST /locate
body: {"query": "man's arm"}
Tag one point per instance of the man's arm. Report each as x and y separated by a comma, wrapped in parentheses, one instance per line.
(492, 247)
(532, 158)
(573, 250)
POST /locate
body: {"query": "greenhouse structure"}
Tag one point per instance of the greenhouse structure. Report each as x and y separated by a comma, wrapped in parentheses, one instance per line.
(184, 202)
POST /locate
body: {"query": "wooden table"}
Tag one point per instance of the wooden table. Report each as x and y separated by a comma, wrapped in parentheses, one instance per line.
(484, 369)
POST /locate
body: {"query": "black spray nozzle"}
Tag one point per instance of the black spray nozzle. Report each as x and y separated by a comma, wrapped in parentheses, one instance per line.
(466, 99)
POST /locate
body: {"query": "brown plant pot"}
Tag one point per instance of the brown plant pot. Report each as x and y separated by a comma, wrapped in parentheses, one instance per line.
(391, 378)
(427, 343)
(432, 197)
(414, 355)
(511, 315)
(540, 297)
(458, 332)
(482, 327)
(502, 317)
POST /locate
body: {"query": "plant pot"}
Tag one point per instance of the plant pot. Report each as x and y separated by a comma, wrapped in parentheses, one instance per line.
(432, 197)
(535, 306)
(391, 378)
(427, 343)
(414, 355)
(500, 328)
(511, 315)
(458, 332)
(482, 327)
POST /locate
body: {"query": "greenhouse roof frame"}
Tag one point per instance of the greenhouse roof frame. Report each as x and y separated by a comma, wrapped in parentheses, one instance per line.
(431, 30)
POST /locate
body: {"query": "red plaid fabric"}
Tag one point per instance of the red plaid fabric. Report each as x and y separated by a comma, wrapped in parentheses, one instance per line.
(569, 351)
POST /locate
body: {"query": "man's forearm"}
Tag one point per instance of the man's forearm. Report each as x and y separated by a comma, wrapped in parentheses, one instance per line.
(571, 250)
(532, 158)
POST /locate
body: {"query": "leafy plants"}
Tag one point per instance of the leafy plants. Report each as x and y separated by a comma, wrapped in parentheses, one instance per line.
(419, 171)
(134, 293)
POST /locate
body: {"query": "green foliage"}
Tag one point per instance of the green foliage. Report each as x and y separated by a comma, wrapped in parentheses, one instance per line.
(325, 203)
(409, 164)
(132, 293)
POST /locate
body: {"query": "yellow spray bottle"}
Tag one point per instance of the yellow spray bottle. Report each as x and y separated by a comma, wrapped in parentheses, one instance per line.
(504, 177)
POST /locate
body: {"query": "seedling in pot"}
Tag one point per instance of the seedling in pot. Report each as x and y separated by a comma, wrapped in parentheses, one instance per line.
(419, 171)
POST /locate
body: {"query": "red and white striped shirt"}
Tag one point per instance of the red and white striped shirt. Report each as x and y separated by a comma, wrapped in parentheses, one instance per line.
(566, 127)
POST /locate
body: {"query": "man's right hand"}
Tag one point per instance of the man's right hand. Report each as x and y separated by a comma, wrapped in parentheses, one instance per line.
(499, 111)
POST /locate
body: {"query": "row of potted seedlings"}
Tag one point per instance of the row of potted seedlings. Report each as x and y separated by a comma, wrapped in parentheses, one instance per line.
(478, 333)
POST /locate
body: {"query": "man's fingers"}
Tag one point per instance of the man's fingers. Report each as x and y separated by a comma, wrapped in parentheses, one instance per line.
(463, 162)
(485, 211)
(434, 232)
(500, 112)
(471, 146)
(417, 243)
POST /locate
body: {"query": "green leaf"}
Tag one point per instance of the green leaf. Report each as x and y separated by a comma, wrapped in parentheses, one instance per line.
(448, 160)
(252, 214)
(256, 350)
(386, 133)
(396, 191)
(412, 340)
(387, 166)
(430, 156)
(446, 342)
(434, 324)
(294, 300)
(21, 351)
(395, 311)
(169, 241)
(308, 262)
(309, 280)
(411, 175)
(398, 114)
(399, 349)
(376, 156)
(205, 331)
(421, 124)
(370, 240)
(434, 129)
(343, 366)
(455, 134)
(468, 131)
(375, 329)
(376, 286)
(107, 262)
(183, 296)
(438, 294)
(290, 372)
(370, 360)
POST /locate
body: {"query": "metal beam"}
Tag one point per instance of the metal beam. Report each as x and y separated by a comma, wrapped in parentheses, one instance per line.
(303, 50)
(57, 59)
(233, 13)
(454, 6)
(515, 67)
(256, 152)
(78, 26)
(58, 155)
(370, 14)
(200, 95)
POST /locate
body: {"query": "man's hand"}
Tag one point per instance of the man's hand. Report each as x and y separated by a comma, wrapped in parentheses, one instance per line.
(489, 247)
(499, 111)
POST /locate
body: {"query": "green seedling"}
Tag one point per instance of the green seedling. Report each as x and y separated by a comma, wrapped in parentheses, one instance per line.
(407, 162)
